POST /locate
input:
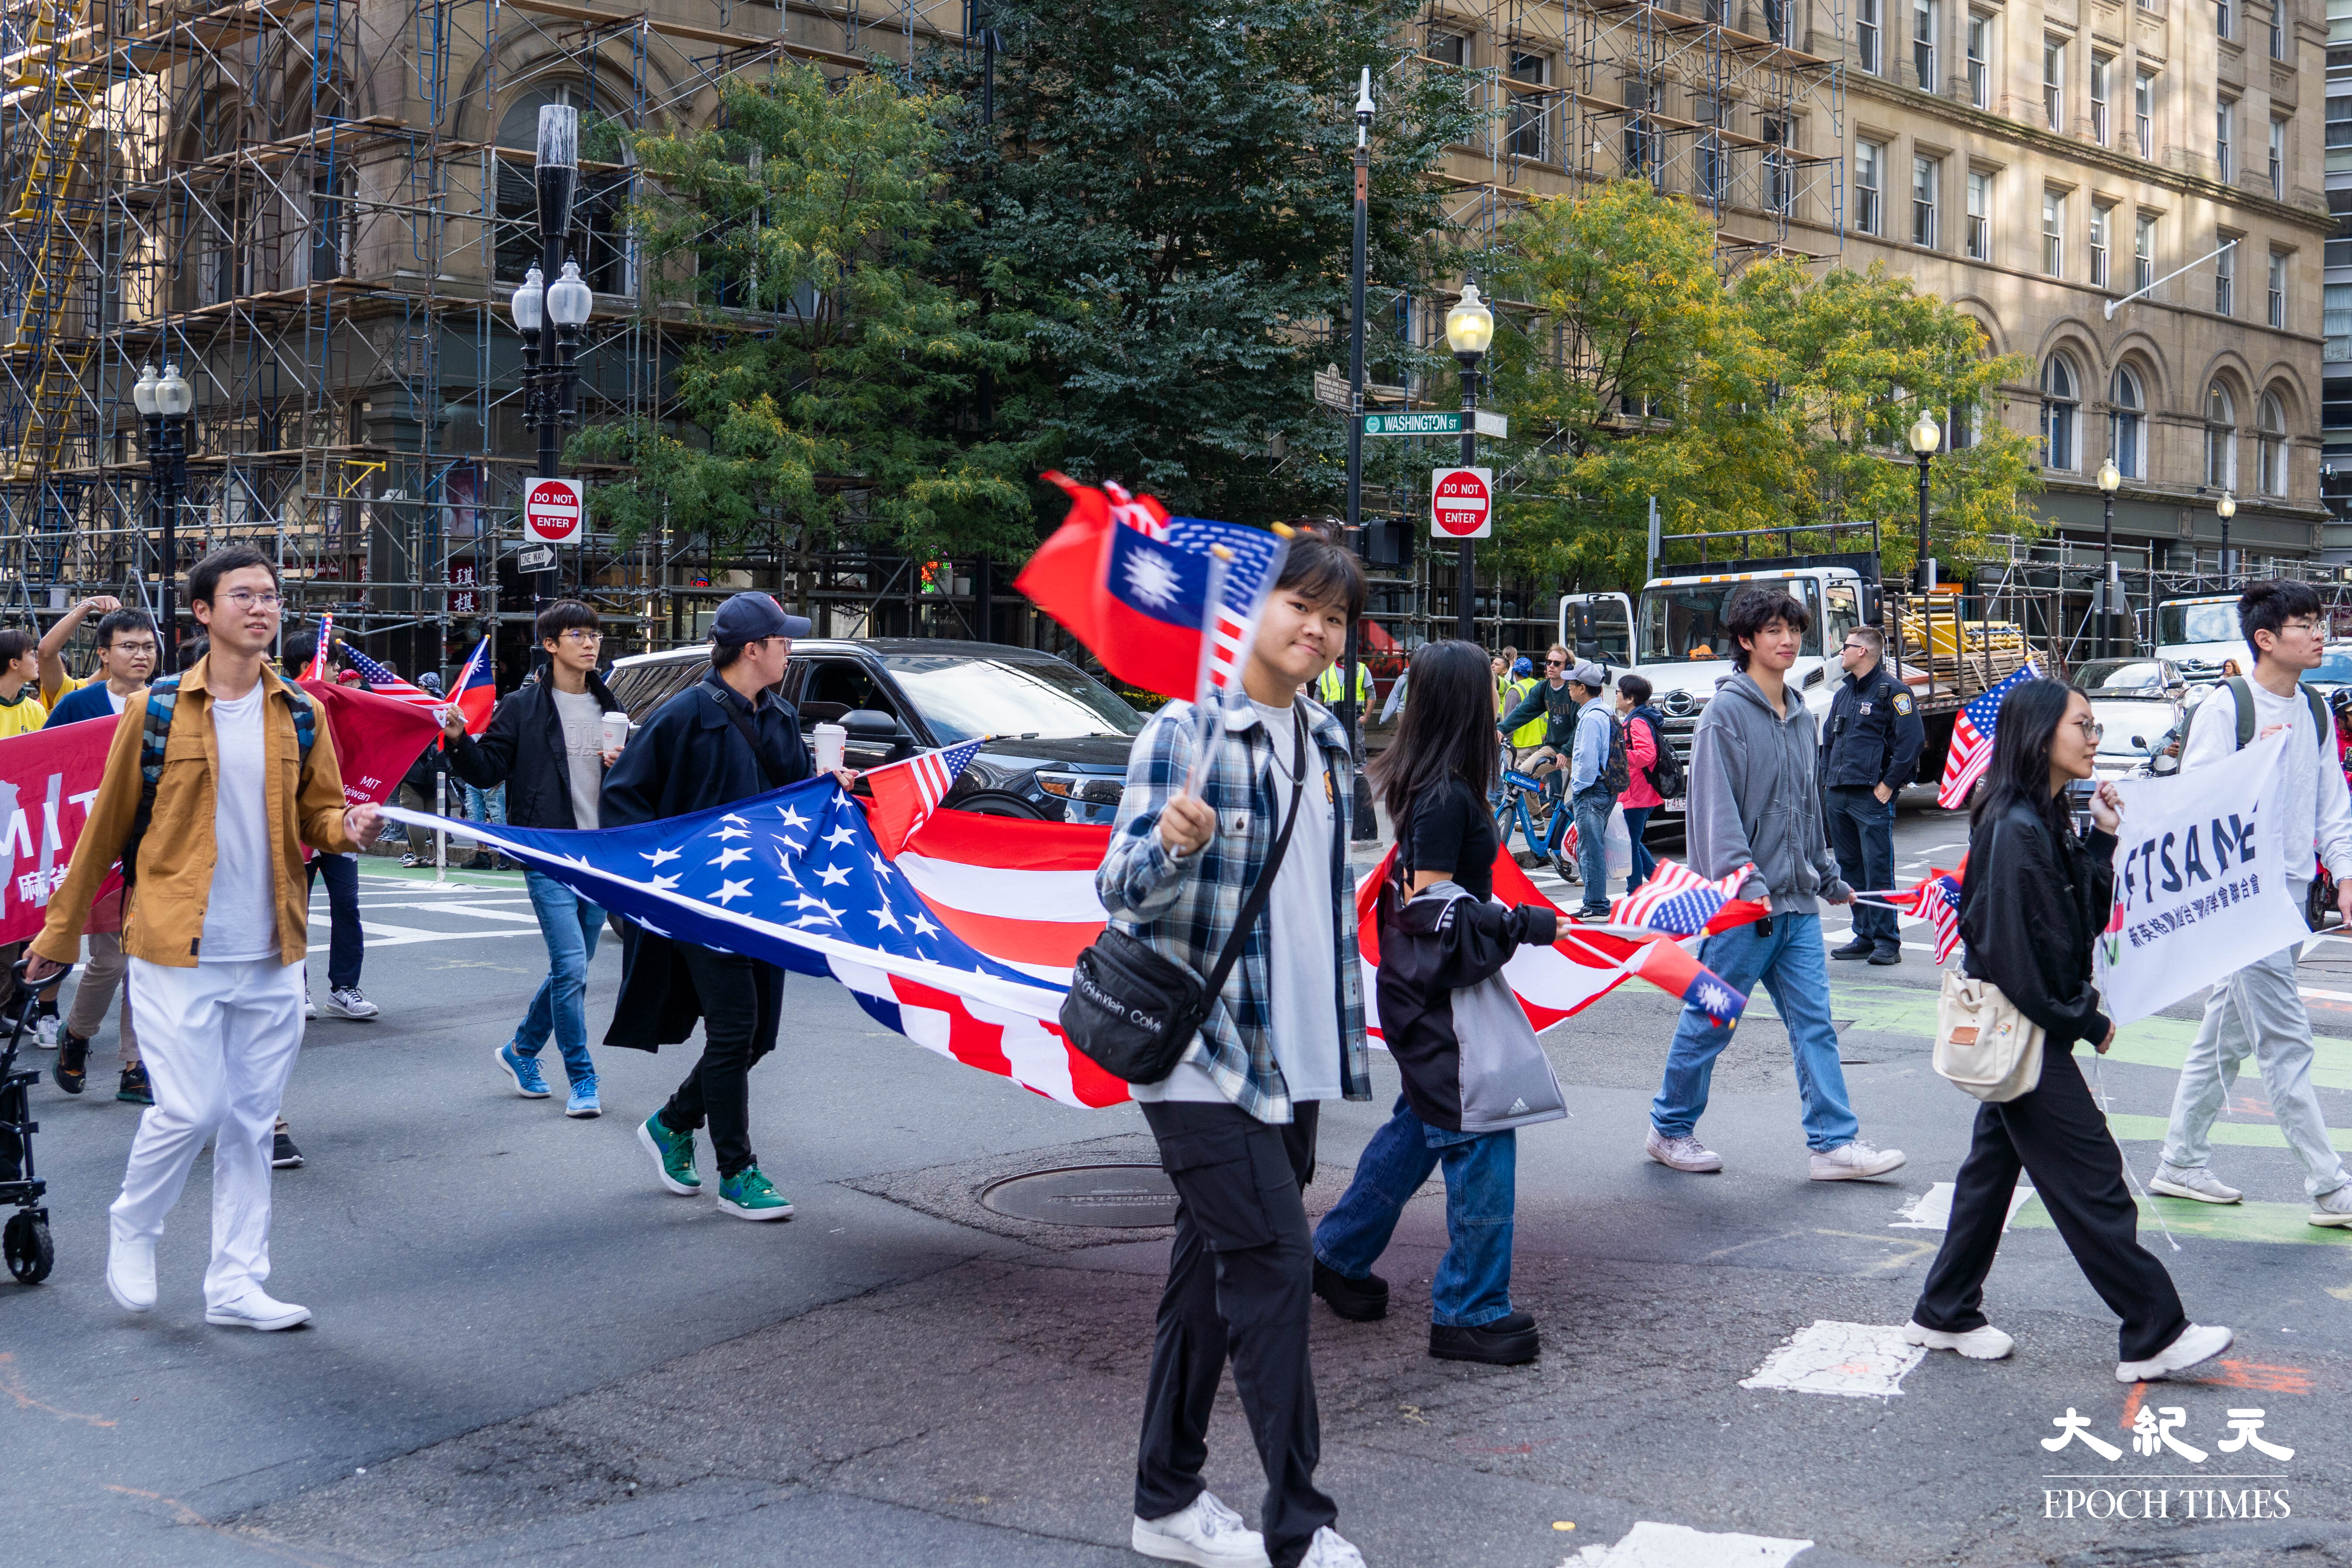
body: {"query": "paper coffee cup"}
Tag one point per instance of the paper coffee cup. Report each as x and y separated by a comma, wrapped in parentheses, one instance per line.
(830, 740)
(617, 731)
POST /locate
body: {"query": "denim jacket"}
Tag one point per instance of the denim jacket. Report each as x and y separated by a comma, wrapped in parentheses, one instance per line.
(1187, 908)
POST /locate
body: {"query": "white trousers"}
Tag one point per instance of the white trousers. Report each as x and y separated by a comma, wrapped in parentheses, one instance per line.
(2258, 1012)
(219, 1042)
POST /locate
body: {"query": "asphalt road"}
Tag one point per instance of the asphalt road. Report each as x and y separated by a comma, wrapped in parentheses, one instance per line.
(526, 1353)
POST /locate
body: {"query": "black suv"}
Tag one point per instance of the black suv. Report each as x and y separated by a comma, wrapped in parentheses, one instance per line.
(1059, 738)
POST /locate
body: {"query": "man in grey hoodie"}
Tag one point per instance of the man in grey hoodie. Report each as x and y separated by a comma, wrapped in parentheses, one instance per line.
(1754, 801)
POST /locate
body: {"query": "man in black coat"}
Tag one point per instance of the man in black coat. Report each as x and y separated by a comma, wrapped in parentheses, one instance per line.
(545, 744)
(1869, 751)
(723, 740)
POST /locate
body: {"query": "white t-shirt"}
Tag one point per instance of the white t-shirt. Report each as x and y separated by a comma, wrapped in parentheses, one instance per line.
(2314, 809)
(583, 718)
(1305, 1003)
(241, 915)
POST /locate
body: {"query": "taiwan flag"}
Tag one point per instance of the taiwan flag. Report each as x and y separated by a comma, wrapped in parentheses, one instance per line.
(477, 692)
(1133, 583)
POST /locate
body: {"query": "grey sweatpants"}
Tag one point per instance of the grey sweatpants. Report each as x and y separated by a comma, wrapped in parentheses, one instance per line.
(2256, 1011)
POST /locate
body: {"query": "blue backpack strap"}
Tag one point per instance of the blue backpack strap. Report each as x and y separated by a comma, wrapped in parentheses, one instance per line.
(306, 721)
(154, 734)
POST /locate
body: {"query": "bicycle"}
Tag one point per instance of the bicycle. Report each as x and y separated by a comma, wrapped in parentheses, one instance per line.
(1541, 817)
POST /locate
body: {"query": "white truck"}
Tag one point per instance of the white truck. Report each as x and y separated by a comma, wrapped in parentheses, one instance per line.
(2197, 635)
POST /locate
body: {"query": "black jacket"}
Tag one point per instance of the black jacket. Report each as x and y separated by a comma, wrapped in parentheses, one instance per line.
(1428, 951)
(523, 750)
(2034, 899)
(690, 756)
(1874, 736)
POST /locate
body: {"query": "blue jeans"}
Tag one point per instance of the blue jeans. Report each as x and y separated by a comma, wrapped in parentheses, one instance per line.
(1791, 964)
(1862, 833)
(486, 806)
(346, 945)
(570, 923)
(1592, 803)
(1473, 1287)
(1637, 817)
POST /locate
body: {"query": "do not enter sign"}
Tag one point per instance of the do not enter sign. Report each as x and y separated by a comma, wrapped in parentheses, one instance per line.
(1462, 503)
(552, 509)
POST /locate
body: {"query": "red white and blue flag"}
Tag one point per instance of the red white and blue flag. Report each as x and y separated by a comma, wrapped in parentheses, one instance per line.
(906, 793)
(1136, 587)
(318, 656)
(1937, 901)
(385, 683)
(477, 693)
(1972, 729)
(1678, 901)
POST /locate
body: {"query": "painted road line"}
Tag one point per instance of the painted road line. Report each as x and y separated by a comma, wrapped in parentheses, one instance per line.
(2269, 1223)
(1648, 1545)
(1932, 1210)
(2243, 1134)
(1857, 1361)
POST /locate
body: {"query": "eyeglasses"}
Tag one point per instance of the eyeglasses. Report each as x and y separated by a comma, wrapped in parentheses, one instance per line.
(2298, 625)
(581, 634)
(246, 599)
(1554, 663)
(133, 649)
(2095, 729)
(1857, 648)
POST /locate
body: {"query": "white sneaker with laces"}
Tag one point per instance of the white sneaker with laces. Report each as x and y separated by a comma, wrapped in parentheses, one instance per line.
(1330, 1549)
(1683, 1153)
(2195, 1345)
(1981, 1343)
(351, 1001)
(2333, 1208)
(258, 1310)
(1205, 1533)
(2192, 1182)
(130, 1274)
(1853, 1161)
(310, 1007)
(45, 1031)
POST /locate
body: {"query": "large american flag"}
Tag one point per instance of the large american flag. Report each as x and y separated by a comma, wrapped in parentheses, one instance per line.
(1972, 729)
(1677, 899)
(906, 793)
(385, 683)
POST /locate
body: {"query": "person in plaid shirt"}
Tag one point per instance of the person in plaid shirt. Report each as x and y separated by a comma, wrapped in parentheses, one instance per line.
(1235, 1122)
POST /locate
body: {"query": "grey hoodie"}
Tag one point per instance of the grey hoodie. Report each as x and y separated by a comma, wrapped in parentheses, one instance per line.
(1753, 796)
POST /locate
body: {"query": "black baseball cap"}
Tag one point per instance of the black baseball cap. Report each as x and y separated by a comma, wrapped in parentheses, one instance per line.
(748, 617)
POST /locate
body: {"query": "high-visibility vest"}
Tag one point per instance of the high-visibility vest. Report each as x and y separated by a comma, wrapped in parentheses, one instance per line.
(1531, 734)
(1330, 687)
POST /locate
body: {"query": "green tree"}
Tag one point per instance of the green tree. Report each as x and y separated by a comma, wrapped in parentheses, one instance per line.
(1166, 191)
(824, 404)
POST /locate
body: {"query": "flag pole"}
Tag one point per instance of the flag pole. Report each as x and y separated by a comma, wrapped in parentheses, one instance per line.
(1208, 711)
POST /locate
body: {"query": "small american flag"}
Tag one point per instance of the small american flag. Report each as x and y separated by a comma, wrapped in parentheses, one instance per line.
(318, 671)
(906, 793)
(383, 683)
(1144, 516)
(1677, 899)
(1972, 729)
(1937, 901)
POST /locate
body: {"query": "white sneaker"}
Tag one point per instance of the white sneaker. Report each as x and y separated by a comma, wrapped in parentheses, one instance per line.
(1984, 1343)
(1204, 1531)
(1330, 1549)
(258, 1310)
(351, 1001)
(1683, 1153)
(2333, 1208)
(45, 1031)
(130, 1274)
(2197, 1343)
(2192, 1182)
(1854, 1160)
(310, 1007)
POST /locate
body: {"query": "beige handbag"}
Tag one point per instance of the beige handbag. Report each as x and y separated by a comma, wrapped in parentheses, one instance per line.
(1982, 1042)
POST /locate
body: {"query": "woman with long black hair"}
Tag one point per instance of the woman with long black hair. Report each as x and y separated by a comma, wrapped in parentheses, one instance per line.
(1472, 1070)
(2035, 899)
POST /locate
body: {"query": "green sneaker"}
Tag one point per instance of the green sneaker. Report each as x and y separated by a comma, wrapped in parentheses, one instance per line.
(746, 1195)
(673, 1155)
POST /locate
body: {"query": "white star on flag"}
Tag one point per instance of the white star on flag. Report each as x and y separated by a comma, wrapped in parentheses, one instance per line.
(841, 835)
(729, 891)
(728, 855)
(833, 876)
(661, 856)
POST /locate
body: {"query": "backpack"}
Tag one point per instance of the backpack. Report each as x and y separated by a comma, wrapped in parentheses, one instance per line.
(2242, 696)
(1616, 773)
(1666, 775)
(155, 731)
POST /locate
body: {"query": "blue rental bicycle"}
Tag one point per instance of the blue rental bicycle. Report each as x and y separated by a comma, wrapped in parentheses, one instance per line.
(1540, 816)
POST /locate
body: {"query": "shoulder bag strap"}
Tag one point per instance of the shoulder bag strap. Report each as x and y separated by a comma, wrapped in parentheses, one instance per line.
(1264, 891)
(750, 739)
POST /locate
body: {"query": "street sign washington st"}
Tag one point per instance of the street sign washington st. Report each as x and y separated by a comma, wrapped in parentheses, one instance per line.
(1436, 422)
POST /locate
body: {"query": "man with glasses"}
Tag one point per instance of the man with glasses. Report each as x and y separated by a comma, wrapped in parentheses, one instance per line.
(545, 745)
(2259, 1010)
(1869, 753)
(215, 782)
(1555, 702)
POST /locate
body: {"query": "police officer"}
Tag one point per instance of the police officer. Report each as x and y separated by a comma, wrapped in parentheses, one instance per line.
(1869, 751)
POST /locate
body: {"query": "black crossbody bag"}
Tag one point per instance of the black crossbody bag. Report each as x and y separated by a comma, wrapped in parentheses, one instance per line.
(1133, 1010)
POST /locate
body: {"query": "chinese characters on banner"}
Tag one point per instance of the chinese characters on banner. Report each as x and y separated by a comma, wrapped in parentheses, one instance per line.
(48, 781)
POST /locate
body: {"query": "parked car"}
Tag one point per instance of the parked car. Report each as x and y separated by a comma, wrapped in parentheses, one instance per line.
(2139, 701)
(1057, 738)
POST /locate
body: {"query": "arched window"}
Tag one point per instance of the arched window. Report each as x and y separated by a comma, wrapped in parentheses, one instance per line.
(2221, 439)
(2270, 435)
(2126, 425)
(2061, 413)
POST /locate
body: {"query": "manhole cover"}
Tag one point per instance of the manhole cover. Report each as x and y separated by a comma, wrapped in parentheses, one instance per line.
(1121, 1195)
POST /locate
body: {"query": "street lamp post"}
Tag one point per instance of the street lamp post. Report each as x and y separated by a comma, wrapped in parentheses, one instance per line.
(552, 294)
(1469, 328)
(2111, 586)
(1925, 437)
(163, 402)
(2225, 509)
(1351, 707)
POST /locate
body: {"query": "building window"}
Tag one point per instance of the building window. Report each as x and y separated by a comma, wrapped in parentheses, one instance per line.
(2275, 298)
(2278, 30)
(2144, 112)
(1959, 428)
(1979, 215)
(1923, 42)
(2224, 113)
(2100, 219)
(1643, 138)
(2103, 71)
(2225, 277)
(2221, 19)
(2053, 83)
(2339, 238)
(2336, 320)
(2339, 127)
(2221, 439)
(2060, 412)
(1869, 159)
(1776, 21)
(1530, 121)
(2053, 232)
(2127, 426)
(1865, 36)
(1714, 170)
(2270, 444)
(1925, 173)
(1979, 61)
(2144, 254)
(2278, 159)
(1779, 175)
(1449, 49)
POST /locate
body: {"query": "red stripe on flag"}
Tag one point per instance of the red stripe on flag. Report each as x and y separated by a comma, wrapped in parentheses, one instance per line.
(1007, 843)
(1053, 944)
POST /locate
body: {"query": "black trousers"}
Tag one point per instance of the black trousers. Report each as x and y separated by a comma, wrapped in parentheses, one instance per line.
(2056, 1134)
(741, 1000)
(1862, 833)
(1240, 1280)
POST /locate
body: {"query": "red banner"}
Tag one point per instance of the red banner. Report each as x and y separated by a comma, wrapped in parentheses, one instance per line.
(377, 739)
(49, 782)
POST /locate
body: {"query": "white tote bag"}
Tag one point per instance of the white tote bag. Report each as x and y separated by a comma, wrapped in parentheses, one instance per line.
(1982, 1042)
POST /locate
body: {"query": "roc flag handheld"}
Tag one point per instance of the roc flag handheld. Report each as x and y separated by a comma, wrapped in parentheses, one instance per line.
(477, 689)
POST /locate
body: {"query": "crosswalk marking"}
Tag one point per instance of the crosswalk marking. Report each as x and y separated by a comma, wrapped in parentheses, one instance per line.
(1932, 1210)
(1652, 1545)
(2221, 1222)
(1856, 1361)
